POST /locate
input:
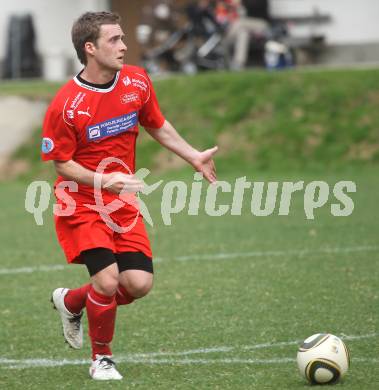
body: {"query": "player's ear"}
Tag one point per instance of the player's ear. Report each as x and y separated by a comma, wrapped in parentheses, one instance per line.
(89, 47)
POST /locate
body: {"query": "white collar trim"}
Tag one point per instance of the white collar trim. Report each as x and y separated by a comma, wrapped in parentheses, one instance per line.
(91, 88)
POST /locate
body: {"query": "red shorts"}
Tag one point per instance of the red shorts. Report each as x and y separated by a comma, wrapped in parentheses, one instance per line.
(86, 229)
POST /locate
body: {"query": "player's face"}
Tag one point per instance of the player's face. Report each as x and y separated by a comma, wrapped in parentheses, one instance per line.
(110, 49)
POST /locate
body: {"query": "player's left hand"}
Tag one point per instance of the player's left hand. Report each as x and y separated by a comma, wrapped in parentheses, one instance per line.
(204, 163)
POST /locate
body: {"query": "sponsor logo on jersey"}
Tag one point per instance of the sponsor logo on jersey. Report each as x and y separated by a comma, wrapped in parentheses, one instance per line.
(139, 84)
(85, 112)
(47, 145)
(94, 132)
(112, 127)
(129, 97)
(70, 114)
(126, 81)
(72, 106)
(77, 100)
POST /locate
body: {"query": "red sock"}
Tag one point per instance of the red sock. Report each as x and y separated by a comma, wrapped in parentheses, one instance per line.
(101, 314)
(122, 296)
(75, 300)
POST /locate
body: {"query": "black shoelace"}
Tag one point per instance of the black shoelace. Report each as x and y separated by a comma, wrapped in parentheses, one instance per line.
(107, 363)
(76, 320)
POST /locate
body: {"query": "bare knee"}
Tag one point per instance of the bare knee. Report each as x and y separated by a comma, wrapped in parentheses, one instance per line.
(140, 288)
(137, 283)
(107, 286)
(106, 282)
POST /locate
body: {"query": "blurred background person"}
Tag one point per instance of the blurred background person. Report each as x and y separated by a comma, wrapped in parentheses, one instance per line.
(242, 28)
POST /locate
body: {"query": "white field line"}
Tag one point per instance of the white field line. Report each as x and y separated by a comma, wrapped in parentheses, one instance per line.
(28, 270)
(45, 363)
(153, 358)
(214, 256)
(243, 347)
(294, 252)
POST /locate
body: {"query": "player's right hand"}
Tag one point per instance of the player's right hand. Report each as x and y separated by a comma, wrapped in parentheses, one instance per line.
(121, 183)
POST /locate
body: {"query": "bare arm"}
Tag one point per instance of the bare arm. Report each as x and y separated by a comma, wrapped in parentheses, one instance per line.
(202, 161)
(114, 182)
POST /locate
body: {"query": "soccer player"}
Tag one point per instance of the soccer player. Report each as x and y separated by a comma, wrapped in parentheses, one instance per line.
(92, 117)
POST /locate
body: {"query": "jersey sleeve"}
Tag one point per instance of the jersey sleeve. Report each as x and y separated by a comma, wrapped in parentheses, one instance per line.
(58, 136)
(150, 114)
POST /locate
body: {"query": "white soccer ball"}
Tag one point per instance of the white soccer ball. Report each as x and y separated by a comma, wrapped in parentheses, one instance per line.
(323, 359)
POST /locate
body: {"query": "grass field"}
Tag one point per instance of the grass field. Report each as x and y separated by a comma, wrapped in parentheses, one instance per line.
(233, 296)
(267, 120)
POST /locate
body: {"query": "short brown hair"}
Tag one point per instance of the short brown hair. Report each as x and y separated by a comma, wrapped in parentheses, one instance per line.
(87, 29)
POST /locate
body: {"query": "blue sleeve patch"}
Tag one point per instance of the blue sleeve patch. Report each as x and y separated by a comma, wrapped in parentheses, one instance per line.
(114, 126)
(47, 145)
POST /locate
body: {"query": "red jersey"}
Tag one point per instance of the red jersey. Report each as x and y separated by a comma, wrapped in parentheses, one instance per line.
(87, 122)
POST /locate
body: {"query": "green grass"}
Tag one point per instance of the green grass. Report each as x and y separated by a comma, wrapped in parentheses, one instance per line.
(287, 126)
(206, 303)
(31, 89)
(280, 120)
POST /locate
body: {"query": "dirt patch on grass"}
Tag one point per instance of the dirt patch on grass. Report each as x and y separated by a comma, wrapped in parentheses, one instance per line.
(373, 97)
(10, 169)
(315, 137)
(18, 119)
(166, 161)
(363, 151)
(261, 113)
(298, 113)
(231, 142)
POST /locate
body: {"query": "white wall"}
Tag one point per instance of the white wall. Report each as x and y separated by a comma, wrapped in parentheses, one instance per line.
(52, 21)
(353, 21)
